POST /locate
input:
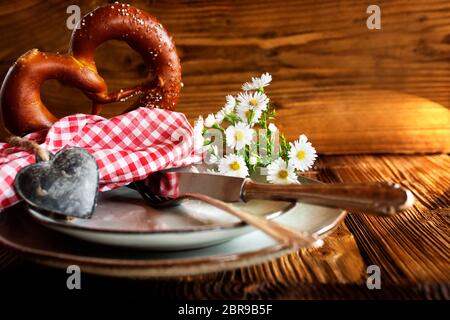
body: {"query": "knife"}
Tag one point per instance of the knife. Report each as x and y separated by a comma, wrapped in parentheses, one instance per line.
(381, 198)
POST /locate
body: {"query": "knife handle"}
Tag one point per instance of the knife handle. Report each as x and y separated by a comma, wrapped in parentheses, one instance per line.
(383, 198)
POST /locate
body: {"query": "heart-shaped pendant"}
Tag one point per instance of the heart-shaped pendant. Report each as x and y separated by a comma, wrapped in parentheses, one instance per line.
(67, 184)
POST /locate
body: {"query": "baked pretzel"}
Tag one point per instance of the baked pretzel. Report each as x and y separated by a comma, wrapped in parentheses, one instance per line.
(22, 108)
(142, 32)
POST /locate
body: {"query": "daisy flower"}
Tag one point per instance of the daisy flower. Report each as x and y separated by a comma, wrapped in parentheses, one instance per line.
(198, 133)
(239, 136)
(210, 120)
(227, 109)
(230, 104)
(245, 113)
(233, 165)
(255, 100)
(302, 154)
(280, 172)
(258, 83)
(220, 116)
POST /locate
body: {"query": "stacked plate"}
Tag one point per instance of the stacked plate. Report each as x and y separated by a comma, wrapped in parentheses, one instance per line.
(128, 238)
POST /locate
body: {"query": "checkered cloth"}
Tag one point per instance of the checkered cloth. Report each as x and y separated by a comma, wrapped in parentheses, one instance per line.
(127, 147)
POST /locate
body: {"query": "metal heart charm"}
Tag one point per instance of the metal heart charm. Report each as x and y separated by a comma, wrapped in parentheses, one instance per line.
(67, 184)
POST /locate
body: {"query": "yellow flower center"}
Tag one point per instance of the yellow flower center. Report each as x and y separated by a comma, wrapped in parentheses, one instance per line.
(282, 174)
(248, 114)
(253, 102)
(238, 135)
(235, 166)
(301, 155)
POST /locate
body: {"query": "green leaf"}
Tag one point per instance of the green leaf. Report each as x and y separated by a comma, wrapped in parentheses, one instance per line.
(218, 127)
(232, 118)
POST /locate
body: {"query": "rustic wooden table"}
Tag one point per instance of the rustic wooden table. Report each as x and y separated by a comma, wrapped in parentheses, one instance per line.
(411, 249)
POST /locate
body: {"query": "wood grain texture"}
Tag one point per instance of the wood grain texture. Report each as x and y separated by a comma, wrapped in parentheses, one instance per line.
(417, 241)
(369, 121)
(328, 67)
(411, 249)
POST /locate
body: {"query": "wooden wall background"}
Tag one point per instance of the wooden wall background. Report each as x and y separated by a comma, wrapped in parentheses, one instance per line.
(350, 89)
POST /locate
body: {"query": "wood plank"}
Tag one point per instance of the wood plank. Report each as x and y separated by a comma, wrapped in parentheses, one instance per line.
(320, 53)
(412, 247)
(371, 121)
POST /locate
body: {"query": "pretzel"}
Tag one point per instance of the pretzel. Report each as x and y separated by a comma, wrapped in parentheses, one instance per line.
(22, 108)
(143, 33)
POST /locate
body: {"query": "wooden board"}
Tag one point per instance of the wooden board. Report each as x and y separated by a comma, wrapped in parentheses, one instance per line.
(328, 67)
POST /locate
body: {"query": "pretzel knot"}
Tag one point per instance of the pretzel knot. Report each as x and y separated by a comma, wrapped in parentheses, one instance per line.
(22, 108)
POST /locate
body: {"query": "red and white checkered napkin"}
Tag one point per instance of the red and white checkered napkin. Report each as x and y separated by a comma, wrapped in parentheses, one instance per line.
(127, 147)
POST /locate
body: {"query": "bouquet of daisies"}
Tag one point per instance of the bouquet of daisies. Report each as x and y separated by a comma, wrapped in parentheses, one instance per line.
(242, 138)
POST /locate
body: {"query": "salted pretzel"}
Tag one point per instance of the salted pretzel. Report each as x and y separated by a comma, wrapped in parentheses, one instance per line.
(142, 32)
(22, 108)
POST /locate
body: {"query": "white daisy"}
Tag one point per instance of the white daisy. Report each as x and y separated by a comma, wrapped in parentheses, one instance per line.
(198, 133)
(280, 172)
(272, 127)
(258, 83)
(227, 109)
(220, 116)
(302, 154)
(210, 120)
(239, 136)
(231, 103)
(245, 112)
(233, 165)
(255, 100)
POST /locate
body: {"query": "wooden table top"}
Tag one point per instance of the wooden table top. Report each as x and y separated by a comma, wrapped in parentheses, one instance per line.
(411, 249)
